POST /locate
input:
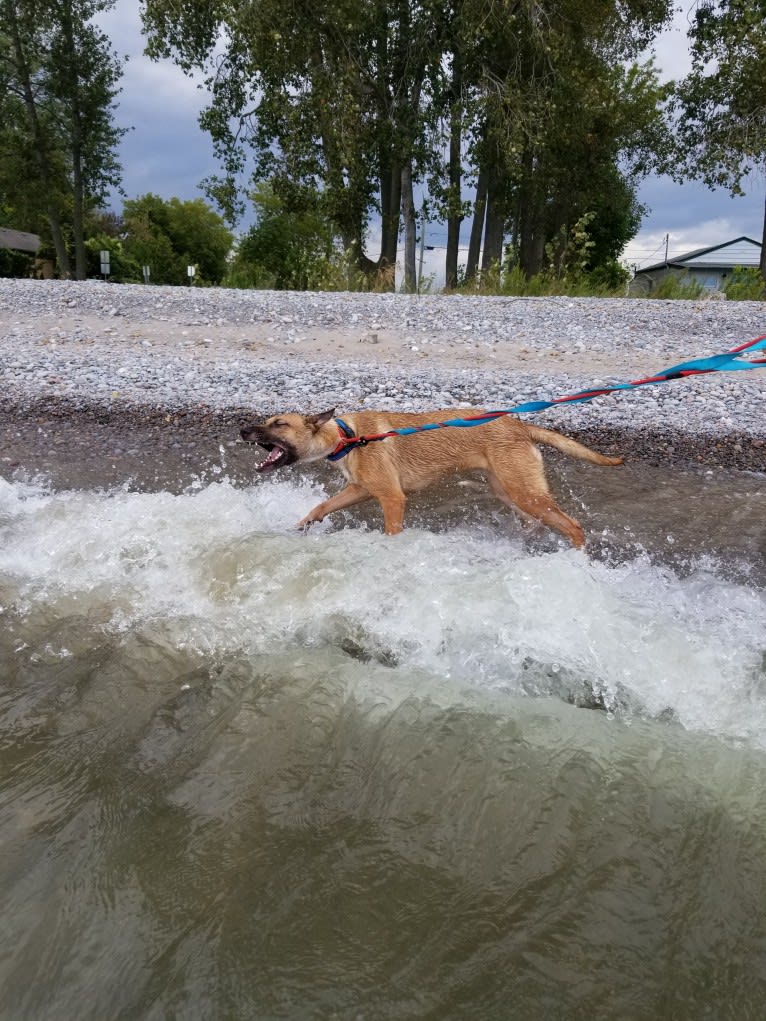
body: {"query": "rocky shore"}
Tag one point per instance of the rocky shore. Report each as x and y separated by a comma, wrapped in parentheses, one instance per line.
(111, 372)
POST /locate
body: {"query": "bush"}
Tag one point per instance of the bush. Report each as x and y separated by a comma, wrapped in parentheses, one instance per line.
(15, 264)
(745, 284)
(122, 269)
(285, 249)
(603, 281)
(168, 236)
(673, 287)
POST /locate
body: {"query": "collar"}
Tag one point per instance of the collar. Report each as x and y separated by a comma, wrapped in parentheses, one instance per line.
(345, 433)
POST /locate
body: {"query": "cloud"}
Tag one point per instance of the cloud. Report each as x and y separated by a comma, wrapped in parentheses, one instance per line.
(166, 151)
(694, 216)
(670, 49)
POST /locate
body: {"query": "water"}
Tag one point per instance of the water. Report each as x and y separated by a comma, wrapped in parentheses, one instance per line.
(463, 772)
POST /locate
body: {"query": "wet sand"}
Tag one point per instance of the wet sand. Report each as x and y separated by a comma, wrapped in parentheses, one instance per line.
(90, 446)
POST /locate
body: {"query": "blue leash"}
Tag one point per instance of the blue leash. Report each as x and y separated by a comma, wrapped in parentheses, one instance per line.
(729, 361)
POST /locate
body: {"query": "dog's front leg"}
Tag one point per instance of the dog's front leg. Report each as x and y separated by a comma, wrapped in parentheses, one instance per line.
(348, 497)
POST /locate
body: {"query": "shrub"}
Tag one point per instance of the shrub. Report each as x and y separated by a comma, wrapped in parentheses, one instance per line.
(745, 284)
(674, 287)
(15, 264)
(122, 268)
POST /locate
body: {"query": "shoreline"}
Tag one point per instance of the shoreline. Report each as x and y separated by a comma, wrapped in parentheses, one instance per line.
(118, 367)
(36, 432)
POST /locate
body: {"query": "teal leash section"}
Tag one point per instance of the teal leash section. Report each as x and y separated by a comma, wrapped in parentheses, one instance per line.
(728, 361)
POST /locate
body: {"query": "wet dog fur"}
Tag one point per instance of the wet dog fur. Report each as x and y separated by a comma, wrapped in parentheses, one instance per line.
(504, 449)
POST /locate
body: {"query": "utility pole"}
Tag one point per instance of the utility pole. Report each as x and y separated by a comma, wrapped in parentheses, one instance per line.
(667, 239)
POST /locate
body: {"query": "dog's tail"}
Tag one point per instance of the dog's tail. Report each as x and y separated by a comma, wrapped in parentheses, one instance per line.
(569, 446)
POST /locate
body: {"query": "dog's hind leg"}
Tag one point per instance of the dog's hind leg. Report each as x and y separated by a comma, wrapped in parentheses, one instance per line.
(347, 497)
(393, 504)
(522, 486)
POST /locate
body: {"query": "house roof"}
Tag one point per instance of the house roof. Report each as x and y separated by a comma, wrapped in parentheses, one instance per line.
(21, 240)
(742, 251)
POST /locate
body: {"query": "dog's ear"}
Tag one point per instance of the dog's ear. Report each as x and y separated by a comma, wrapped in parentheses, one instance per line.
(316, 420)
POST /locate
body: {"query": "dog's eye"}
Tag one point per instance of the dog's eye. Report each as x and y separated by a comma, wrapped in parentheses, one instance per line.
(279, 424)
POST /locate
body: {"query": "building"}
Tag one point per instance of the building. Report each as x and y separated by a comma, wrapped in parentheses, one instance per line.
(18, 240)
(708, 267)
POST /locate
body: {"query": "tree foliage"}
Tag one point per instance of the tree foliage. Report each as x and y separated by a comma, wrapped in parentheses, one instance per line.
(171, 235)
(534, 103)
(58, 82)
(721, 104)
(285, 250)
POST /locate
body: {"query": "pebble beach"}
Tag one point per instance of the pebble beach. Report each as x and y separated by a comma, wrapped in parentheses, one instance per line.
(134, 364)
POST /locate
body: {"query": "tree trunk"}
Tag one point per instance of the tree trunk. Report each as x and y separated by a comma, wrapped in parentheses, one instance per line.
(410, 232)
(78, 190)
(492, 254)
(532, 248)
(390, 204)
(78, 215)
(477, 227)
(454, 214)
(531, 229)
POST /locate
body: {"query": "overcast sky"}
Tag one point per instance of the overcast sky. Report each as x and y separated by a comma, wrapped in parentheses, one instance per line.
(167, 153)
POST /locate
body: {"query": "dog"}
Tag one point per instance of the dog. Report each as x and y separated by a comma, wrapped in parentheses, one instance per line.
(387, 470)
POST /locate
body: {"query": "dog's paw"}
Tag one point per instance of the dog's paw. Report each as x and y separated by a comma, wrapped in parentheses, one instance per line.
(305, 523)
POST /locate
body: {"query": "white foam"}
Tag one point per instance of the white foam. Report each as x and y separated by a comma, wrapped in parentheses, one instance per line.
(227, 565)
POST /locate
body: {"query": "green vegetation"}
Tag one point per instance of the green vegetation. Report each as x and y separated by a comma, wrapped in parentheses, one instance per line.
(171, 235)
(166, 235)
(333, 116)
(286, 249)
(537, 106)
(745, 284)
(58, 82)
(14, 264)
(599, 284)
(677, 287)
(720, 105)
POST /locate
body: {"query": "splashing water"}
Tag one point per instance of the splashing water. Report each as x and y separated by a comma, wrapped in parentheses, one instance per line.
(222, 570)
(250, 772)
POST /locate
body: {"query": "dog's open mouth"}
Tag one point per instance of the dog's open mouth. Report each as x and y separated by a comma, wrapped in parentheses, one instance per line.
(277, 457)
(279, 454)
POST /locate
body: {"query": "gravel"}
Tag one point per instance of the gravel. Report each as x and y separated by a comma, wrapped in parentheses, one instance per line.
(210, 358)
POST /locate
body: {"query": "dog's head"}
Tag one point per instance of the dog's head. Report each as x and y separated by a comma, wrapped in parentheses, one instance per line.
(291, 438)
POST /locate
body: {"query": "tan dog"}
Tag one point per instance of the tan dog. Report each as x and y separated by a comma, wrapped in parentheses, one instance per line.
(389, 469)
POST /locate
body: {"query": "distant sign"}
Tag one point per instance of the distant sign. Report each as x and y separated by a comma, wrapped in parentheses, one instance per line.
(105, 262)
(147, 271)
(191, 272)
(19, 240)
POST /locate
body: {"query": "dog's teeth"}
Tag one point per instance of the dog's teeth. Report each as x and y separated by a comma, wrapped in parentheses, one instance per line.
(274, 457)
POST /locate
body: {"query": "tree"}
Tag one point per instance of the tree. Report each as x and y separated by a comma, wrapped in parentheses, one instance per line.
(60, 80)
(721, 104)
(82, 81)
(327, 96)
(33, 151)
(284, 250)
(171, 235)
(364, 102)
(550, 110)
